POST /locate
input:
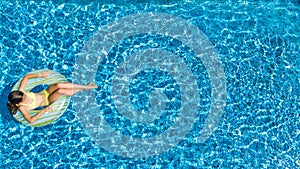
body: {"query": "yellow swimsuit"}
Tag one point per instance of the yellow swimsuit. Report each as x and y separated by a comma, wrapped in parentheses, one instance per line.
(46, 96)
(32, 95)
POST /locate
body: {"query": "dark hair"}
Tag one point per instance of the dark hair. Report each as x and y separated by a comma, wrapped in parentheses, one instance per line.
(14, 98)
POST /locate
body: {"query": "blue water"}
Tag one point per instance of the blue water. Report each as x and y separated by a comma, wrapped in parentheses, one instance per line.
(257, 43)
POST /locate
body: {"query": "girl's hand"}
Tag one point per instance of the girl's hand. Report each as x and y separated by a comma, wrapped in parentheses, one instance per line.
(47, 109)
(44, 74)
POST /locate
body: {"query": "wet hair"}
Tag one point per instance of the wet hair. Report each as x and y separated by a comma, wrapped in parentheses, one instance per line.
(14, 98)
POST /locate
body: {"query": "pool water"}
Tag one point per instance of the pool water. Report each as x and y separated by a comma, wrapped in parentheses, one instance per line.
(257, 44)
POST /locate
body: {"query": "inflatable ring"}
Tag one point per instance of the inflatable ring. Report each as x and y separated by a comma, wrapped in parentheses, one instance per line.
(58, 107)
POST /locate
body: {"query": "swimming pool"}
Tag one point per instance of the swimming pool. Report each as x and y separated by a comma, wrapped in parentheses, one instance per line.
(257, 44)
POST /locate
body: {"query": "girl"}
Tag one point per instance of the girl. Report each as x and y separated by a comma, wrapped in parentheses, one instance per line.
(23, 100)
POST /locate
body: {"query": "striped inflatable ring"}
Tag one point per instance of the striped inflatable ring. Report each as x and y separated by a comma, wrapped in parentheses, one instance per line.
(58, 107)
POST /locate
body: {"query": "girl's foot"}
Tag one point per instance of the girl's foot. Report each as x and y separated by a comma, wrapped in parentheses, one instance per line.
(91, 85)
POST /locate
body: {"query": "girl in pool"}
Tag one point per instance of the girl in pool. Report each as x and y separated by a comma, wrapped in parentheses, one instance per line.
(24, 101)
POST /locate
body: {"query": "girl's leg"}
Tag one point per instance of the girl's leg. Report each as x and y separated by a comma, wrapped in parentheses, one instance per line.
(56, 94)
(68, 85)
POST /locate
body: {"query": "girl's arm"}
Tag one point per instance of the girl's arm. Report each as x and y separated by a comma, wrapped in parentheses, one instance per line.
(28, 76)
(32, 119)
